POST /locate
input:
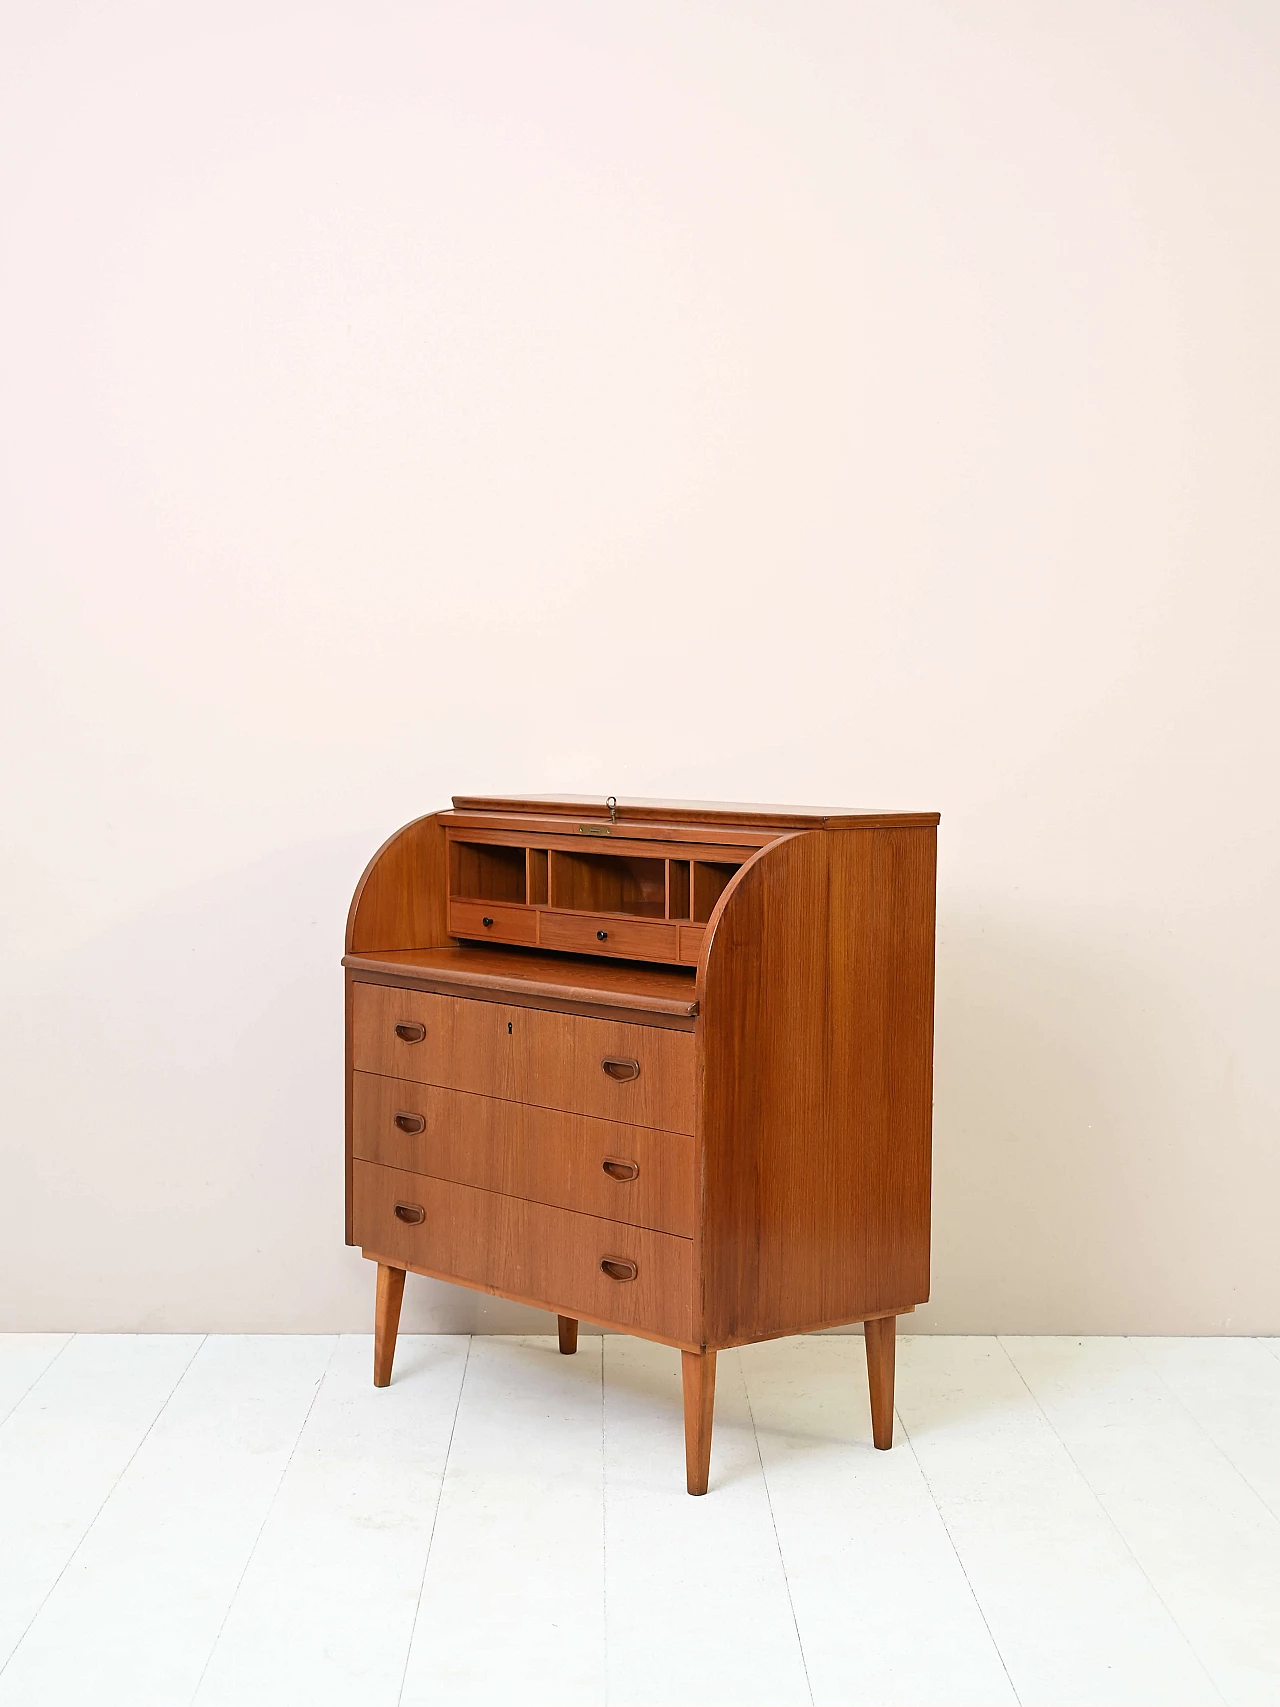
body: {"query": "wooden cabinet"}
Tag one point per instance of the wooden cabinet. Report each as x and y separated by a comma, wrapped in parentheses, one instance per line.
(661, 1066)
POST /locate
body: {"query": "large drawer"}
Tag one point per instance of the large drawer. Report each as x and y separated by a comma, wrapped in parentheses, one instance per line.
(599, 1167)
(640, 1074)
(546, 1256)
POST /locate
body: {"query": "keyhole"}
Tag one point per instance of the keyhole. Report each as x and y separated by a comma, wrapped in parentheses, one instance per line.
(508, 1028)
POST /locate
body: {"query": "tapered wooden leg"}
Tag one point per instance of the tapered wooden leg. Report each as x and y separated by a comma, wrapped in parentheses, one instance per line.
(880, 1338)
(386, 1320)
(698, 1369)
(568, 1326)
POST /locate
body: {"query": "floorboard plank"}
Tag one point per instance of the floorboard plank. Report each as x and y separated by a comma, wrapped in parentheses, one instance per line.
(326, 1609)
(23, 1360)
(1232, 1388)
(885, 1613)
(1204, 1537)
(1076, 1620)
(63, 1448)
(513, 1596)
(697, 1611)
(135, 1615)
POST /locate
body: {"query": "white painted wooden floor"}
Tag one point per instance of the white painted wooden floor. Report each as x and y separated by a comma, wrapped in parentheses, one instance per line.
(245, 1520)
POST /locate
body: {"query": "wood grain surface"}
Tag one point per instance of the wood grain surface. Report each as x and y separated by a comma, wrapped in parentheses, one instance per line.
(400, 901)
(526, 1055)
(527, 1250)
(816, 1068)
(548, 980)
(494, 921)
(605, 933)
(386, 1321)
(693, 811)
(698, 1378)
(524, 1151)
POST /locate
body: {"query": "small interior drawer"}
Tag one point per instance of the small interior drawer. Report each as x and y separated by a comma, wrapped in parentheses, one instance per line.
(491, 921)
(606, 933)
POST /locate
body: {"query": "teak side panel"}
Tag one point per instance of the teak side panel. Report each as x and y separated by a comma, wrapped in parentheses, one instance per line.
(400, 901)
(816, 1035)
(527, 1250)
(880, 1087)
(537, 1153)
(528, 1055)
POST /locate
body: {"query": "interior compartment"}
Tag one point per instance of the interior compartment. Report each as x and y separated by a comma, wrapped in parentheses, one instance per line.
(482, 871)
(537, 877)
(609, 883)
(677, 888)
(710, 880)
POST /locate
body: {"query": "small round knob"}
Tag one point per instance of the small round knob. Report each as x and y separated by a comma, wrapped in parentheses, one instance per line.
(602, 936)
(486, 921)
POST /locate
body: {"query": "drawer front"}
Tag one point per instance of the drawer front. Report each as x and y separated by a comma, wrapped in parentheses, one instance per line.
(621, 1173)
(603, 933)
(691, 943)
(527, 1055)
(493, 921)
(527, 1250)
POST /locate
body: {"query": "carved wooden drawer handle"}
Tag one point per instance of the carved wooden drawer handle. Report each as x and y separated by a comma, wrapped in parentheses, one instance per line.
(411, 1033)
(620, 1069)
(413, 1213)
(617, 1268)
(410, 1122)
(620, 1170)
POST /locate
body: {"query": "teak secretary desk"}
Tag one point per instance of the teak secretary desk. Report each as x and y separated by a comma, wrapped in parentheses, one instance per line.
(659, 1065)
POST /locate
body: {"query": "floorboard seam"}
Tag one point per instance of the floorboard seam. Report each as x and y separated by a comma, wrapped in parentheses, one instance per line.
(88, 1529)
(435, 1518)
(37, 1379)
(1221, 1452)
(777, 1540)
(1122, 1537)
(271, 1503)
(964, 1571)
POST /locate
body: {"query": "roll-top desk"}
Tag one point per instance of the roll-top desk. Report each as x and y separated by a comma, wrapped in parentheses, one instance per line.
(656, 1065)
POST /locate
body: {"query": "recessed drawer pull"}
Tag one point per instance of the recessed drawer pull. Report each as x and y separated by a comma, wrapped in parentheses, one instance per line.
(410, 1122)
(413, 1213)
(411, 1033)
(616, 1067)
(620, 1170)
(617, 1268)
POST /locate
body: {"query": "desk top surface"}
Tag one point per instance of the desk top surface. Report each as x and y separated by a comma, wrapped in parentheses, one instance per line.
(640, 811)
(529, 972)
